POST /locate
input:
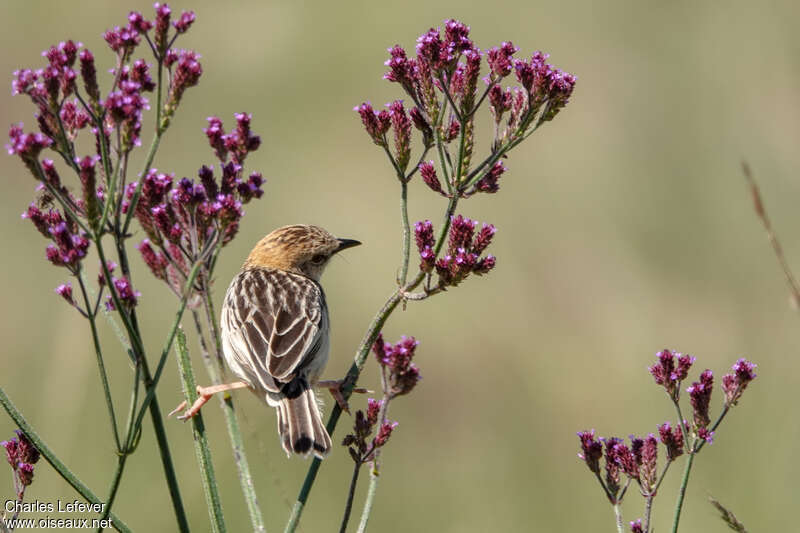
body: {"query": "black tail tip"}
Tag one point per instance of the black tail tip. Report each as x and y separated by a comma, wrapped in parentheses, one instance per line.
(302, 444)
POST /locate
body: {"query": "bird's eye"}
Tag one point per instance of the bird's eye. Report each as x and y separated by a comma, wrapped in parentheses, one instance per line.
(318, 259)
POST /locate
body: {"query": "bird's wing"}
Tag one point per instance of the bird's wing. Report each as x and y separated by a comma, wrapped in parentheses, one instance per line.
(273, 321)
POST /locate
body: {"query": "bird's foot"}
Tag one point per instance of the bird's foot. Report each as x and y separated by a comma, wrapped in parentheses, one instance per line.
(204, 394)
(335, 387)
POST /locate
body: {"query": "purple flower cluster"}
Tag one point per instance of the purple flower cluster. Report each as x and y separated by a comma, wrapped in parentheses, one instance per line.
(401, 374)
(181, 219)
(637, 461)
(734, 384)
(670, 370)
(464, 249)
(700, 398)
(672, 439)
(238, 143)
(636, 526)
(358, 442)
(21, 454)
(69, 244)
(449, 64)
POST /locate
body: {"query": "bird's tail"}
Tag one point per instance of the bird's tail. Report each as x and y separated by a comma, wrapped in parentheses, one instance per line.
(300, 424)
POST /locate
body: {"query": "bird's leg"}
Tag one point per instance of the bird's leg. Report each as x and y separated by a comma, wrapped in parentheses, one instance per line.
(335, 387)
(205, 394)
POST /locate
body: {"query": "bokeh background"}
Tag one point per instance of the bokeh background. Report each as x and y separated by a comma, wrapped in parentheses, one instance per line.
(624, 227)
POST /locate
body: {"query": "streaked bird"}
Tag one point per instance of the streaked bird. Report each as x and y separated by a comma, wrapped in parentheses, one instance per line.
(275, 332)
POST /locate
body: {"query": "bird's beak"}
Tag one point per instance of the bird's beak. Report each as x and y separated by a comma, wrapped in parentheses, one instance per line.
(347, 243)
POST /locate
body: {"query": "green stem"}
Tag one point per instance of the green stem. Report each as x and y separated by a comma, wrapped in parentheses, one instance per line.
(648, 507)
(100, 365)
(202, 451)
(114, 486)
(618, 516)
(406, 232)
(215, 369)
(682, 492)
(373, 488)
(54, 461)
(350, 494)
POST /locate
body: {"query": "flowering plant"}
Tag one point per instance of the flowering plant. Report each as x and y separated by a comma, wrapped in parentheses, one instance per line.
(639, 460)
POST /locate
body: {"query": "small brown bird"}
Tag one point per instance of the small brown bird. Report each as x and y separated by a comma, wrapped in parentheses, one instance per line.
(275, 332)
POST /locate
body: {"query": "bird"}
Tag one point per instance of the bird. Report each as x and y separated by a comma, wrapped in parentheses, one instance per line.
(275, 332)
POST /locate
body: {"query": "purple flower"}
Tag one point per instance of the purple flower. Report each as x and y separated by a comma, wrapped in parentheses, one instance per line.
(384, 433)
(26, 145)
(700, 398)
(12, 454)
(669, 375)
(403, 375)
(184, 22)
(401, 125)
(89, 75)
(626, 460)
(402, 70)
(373, 409)
(533, 74)
(139, 23)
(461, 231)
(125, 292)
(612, 467)
(499, 59)
(26, 451)
(376, 124)
(163, 13)
(646, 453)
(65, 291)
(706, 435)
(423, 232)
(89, 187)
(25, 473)
(592, 450)
(187, 74)
(636, 526)
(155, 261)
(672, 439)
(484, 238)
(422, 125)
(428, 173)
(499, 101)
(734, 384)
(488, 183)
(432, 50)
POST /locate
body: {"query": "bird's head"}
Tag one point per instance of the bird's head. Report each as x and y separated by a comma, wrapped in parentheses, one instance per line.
(299, 248)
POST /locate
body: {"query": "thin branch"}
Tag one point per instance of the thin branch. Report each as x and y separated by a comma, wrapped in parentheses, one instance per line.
(758, 204)
(202, 451)
(54, 461)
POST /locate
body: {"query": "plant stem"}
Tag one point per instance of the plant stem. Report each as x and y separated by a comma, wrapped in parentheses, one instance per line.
(618, 515)
(373, 488)
(406, 232)
(114, 486)
(214, 369)
(54, 461)
(100, 365)
(201, 448)
(682, 492)
(351, 493)
(648, 507)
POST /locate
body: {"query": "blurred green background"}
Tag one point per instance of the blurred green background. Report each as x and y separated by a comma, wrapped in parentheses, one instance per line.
(624, 227)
